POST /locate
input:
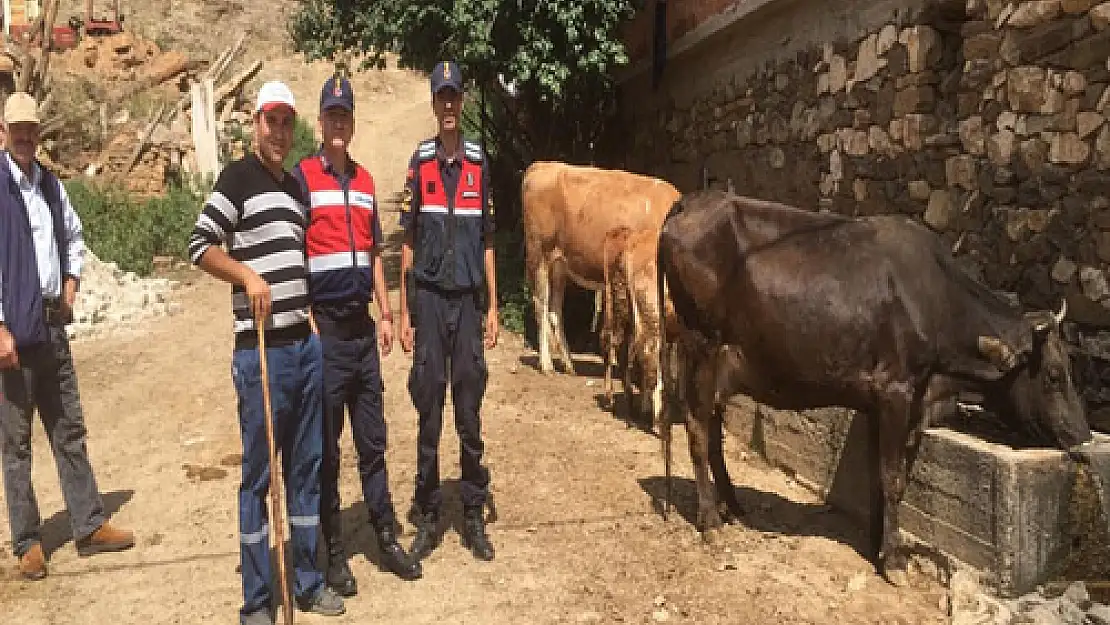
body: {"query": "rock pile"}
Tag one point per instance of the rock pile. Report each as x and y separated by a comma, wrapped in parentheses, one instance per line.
(112, 300)
(970, 606)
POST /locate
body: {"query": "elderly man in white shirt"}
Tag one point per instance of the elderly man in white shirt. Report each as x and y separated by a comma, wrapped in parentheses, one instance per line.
(41, 254)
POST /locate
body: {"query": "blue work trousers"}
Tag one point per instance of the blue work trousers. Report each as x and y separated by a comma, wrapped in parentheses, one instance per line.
(295, 379)
(448, 347)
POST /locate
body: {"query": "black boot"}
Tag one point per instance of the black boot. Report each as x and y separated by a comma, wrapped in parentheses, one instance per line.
(394, 557)
(427, 539)
(338, 576)
(474, 534)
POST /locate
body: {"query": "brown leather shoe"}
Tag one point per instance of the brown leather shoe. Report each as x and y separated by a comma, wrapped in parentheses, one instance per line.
(105, 538)
(32, 565)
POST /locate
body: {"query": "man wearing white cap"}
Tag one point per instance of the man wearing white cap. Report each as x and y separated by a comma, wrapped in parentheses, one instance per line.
(258, 209)
(41, 253)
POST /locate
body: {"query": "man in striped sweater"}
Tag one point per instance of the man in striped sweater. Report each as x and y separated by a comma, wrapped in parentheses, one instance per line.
(258, 210)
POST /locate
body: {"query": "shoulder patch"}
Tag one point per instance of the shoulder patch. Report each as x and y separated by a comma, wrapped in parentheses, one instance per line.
(426, 150)
(473, 151)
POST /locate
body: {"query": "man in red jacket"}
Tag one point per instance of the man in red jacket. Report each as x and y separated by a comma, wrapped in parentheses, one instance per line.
(343, 245)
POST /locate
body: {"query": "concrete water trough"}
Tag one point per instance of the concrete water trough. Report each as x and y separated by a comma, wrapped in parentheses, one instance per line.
(1020, 517)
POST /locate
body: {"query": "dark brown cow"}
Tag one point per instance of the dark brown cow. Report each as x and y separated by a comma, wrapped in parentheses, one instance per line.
(803, 310)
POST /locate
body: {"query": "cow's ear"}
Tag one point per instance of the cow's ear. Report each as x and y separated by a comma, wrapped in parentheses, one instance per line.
(998, 353)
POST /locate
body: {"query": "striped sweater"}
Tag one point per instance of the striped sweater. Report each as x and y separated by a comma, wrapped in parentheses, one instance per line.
(262, 221)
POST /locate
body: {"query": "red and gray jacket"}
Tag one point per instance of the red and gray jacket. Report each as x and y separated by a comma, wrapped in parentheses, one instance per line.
(343, 228)
(449, 216)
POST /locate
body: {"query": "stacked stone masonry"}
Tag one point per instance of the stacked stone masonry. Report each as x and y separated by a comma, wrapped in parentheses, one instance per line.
(985, 119)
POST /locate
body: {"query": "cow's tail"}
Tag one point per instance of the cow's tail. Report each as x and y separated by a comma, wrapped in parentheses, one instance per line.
(606, 303)
(665, 364)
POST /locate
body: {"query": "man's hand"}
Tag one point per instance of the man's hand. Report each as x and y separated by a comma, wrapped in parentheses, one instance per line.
(9, 358)
(407, 334)
(69, 298)
(385, 336)
(492, 327)
(258, 292)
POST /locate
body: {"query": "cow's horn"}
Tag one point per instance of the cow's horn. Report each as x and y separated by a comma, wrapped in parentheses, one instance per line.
(1063, 312)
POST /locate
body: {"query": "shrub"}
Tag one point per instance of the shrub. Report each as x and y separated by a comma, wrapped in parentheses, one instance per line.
(304, 142)
(129, 232)
(514, 297)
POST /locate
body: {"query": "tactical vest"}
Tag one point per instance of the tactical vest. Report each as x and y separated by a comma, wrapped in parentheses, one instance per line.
(449, 252)
(340, 234)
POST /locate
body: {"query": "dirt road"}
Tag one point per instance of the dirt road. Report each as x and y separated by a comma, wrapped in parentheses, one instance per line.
(577, 538)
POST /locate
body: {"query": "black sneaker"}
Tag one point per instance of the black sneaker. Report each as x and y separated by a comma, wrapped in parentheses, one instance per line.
(339, 577)
(427, 539)
(394, 557)
(325, 603)
(474, 534)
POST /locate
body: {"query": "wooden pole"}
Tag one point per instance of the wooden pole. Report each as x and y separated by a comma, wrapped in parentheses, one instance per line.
(277, 518)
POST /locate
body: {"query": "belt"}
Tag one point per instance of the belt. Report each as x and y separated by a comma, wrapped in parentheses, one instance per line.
(344, 328)
(53, 313)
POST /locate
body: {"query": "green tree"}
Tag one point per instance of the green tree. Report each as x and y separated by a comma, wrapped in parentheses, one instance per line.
(543, 69)
(540, 74)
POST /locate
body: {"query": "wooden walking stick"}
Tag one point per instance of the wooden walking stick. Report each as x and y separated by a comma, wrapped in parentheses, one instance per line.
(277, 519)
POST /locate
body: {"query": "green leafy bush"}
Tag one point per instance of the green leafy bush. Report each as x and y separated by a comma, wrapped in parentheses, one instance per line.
(513, 295)
(304, 142)
(129, 232)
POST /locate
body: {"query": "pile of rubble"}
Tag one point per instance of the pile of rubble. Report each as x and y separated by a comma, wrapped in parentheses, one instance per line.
(129, 58)
(143, 107)
(112, 300)
(971, 606)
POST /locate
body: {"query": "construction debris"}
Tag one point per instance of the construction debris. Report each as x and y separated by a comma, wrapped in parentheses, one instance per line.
(112, 300)
(126, 113)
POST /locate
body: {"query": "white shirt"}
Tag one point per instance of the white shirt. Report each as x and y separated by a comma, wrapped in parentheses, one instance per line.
(42, 232)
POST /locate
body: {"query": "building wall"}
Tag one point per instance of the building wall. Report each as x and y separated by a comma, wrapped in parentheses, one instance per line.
(984, 119)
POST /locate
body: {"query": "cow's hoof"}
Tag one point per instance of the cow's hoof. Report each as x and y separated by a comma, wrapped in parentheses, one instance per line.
(712, 536)
(710, 522)
(732, 517)
(896, 577)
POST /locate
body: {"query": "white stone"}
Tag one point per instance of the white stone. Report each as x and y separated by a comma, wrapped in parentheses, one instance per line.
(1067, 147)
(1007, 120)
(826, 143)
(973, 136)
(836, 166)
(888, 36)
(1064, 270)
(880, 141)
(853, 142)
(868, 61)
(939, 211)
(1094, 283)
(838, 73)
(1100, 16)
(920, 42)
(1087, 122)
(919, 190)
(1032, 13)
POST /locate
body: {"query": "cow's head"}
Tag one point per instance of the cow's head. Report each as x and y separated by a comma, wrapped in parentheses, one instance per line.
(1033, 381)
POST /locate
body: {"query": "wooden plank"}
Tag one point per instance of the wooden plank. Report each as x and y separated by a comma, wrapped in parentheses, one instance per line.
(144, 139)
(204, 128)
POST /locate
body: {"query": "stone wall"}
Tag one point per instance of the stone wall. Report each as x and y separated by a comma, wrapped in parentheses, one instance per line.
(985, 119)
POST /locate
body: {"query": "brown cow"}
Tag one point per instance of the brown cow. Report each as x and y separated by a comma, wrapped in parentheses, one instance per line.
(630, 316)
(567, 211)
(802, 310)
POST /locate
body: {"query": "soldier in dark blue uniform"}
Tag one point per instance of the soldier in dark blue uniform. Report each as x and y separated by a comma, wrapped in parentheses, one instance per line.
(449, 283)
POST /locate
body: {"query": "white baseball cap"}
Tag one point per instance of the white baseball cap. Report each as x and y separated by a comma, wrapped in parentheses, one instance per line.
(272, 94)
